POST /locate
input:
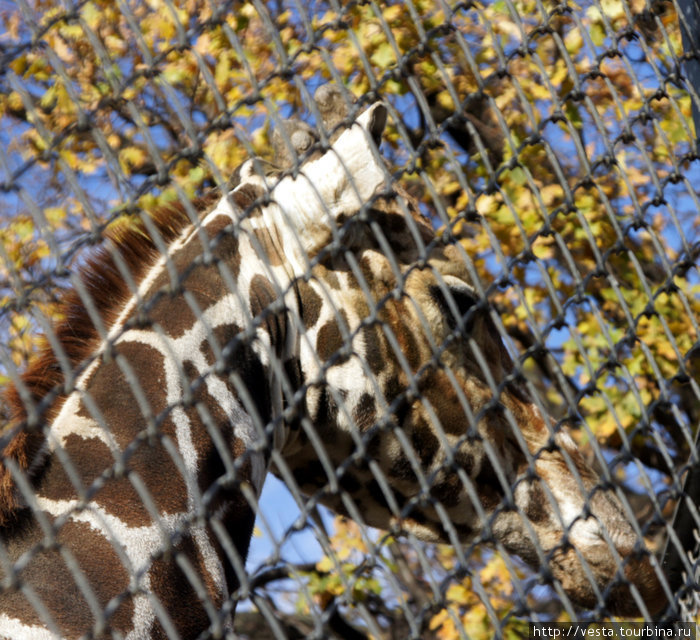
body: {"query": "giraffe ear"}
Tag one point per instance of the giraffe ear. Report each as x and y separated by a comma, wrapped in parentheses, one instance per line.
(373, 120)
(353, 168)
(355, 140)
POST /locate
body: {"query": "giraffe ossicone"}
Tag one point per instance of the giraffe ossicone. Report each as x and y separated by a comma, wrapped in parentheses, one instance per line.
(369, 374)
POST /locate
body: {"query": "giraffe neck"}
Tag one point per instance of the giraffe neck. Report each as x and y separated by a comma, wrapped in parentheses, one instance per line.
(167, 423)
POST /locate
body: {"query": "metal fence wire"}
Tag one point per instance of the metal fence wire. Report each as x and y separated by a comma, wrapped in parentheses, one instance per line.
(405, 294)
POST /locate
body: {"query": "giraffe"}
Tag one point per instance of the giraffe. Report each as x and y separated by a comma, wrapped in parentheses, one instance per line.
(310, 323)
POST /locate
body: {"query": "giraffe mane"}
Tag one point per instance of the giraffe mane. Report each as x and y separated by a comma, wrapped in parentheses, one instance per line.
(22, 440)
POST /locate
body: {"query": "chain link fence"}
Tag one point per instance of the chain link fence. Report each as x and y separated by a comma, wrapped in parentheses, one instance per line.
(551, 144)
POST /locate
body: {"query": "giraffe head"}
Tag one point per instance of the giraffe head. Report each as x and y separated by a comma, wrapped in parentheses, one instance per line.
(408, 412)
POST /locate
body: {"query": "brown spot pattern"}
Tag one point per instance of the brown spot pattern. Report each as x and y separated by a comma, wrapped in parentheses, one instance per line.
(425, 443)
(144, 456)
(439, 391)
(375, 355)
(172, 587)
(55, 586)
(365, 412)
(245, 195)
(261, 295)
(203, 284)
(240, 357)
(398, 317)
(310, 303)
(329, 340)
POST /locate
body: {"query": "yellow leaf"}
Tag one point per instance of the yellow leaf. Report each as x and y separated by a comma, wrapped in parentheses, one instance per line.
(131, 157)
(91, 14)
(54, 215)
(438, 620)
(19, 65)
(325, 565)
(14, 101)
(393, 13)
(459, 593)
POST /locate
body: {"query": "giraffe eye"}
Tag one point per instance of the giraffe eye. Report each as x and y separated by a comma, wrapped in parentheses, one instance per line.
(455, 304)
